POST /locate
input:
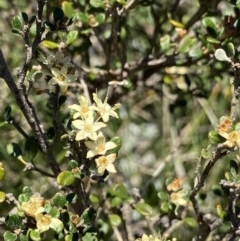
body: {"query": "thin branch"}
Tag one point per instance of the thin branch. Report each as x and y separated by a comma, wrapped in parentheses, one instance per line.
(29, 113)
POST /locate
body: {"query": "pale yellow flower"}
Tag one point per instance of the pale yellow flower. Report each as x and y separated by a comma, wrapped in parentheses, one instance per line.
(45, 221)
(225, 127)
(61, 77)
(179, 198)
(99, 146)
(106, 163)
(233, 139)
(148, 238)
(30, 207)
(104, 109)
(83, 110)
(87, 128)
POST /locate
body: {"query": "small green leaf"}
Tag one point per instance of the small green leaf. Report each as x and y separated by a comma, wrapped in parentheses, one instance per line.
(230, 50)
(58, 14)
(72, 164)
(71, 198)
(23, 237)
(120, 191)
(49, 44)
(144, 209)
(14, 150)
(90, 236)
(217, 190)
(100, 18)
(17, 31)
(82, 17)
(72, 36)
(67, 9)
(195, 53)
(213, 40)
(13, 222)
(24, 197)
(164, 207)
(24, 17)
(97, 3)
(94, 198)
(215, 137)
(9, 236)
(88, 216)
(49, 26)
(163, 196)
(115, 220)
(2, 196)
(31, 148)
(116, 201)
(2, 172)
(32, 19)
(191, 222)
(123, 2)
(65, 178)
(165, 42)
(54, 213)
(35, 235)
(185, 44)
(59, 200)
(205, 154)
(233, 168)
(117, 140)
(7, 112)
(50, 132)
(18, 23)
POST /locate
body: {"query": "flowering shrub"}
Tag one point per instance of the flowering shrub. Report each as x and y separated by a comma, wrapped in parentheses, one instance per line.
(119, 120)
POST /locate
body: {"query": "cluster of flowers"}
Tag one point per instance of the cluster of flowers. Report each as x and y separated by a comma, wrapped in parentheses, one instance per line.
(61, 69)
(151, 238)
(34, 208)
(87, 121)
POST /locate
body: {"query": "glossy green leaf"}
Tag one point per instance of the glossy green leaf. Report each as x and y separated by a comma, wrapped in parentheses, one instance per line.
(54, 212)
(23, 197)
(31, 148)
(90, 236)
(191, 222)
(82, 17)
(23, 237)
(50, 132)
(59, 200)
(120, 191)
(35, 235)
(24, 17)
(71, 198)
(94, 198)
(2, 196)
(163, 196)
(58, 14)
(206, 154)
(231, 50)
(13, 222)
(213, 40)
(49, 44)
(97, 3)
(115, 201)
(100, 18)
(62, 99)
(49, 26)
(215, 137)
(18, 23)
(165, 43)
(14, 150)
(7, 112)
(233, 168)
(65, 178)
(88, 216)
(32, 19)
(72, 164)
(195, 53)
(72, 36)
(217, 190)
(115, 220)
(2, 172)
(9, 236)
(117, 140)
(67, 8)
(185, 44)
(123, 2)
(144, 209)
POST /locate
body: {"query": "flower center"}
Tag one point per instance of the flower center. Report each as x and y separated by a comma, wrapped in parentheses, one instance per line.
(61, 77)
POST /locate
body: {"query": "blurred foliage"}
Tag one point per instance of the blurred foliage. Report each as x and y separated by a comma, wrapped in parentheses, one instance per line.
(158, 59)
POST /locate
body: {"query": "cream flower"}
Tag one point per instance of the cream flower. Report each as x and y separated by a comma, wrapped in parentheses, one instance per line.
(61, 77)
(99, 147)
(30, 207)
(233, 139)
(83, 110)
(106, 163)
(179, 198)
(147, 238)
(45, 221)
(104, 109)
(87, 128)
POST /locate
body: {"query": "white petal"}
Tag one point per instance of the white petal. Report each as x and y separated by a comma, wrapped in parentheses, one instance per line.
(111, 168)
